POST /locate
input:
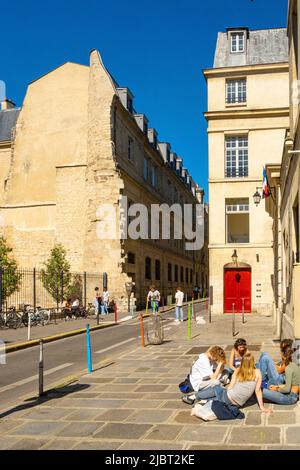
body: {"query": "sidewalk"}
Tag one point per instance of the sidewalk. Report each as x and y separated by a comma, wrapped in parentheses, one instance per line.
(134, 402)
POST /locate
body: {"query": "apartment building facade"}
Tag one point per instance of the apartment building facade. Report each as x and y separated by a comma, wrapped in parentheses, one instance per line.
(247, 120)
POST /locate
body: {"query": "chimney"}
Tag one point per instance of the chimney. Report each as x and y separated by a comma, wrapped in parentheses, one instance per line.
(173, 157)
(200, 195)
(7, 104)
(184, 174)
(126, 98)
(152, 136)
(142, 122)
(189, 181)
(164, 148)
(178, 165)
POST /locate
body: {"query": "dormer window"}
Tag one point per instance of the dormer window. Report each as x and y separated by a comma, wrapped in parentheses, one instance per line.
(130, 104)
(237, 42)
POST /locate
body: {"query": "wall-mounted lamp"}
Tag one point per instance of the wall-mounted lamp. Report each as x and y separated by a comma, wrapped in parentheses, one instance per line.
(257, 197)
(234, 257)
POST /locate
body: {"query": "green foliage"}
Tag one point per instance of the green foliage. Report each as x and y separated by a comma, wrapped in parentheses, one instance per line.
(76, 288)
(10, 278)
(51, 276)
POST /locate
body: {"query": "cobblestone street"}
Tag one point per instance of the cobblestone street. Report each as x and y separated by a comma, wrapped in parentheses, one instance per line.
(134, 403)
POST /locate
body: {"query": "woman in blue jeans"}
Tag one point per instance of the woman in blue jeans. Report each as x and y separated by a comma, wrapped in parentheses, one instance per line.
(273, 374)
(287, 394)
(246, 381)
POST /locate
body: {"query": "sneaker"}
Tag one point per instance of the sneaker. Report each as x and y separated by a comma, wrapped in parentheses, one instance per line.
(201, 402)
(225, 380)
(181, 321)
(176, 321)
(189, 399)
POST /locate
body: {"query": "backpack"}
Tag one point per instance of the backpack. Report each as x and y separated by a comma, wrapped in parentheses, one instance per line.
(186, 386)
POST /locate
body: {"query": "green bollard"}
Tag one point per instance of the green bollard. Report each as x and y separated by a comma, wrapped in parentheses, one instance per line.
(189, 322)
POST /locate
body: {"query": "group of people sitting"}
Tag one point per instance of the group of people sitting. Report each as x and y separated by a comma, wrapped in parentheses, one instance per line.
(244, 380)
(72, 309)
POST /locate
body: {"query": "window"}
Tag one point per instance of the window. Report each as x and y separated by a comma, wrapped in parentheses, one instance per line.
(191, 276)
(176, 273)
(236, 91)
(157, 270)
(130, 149)
(187, 275)
(181, 275)
(237, 42)
(237, 220)
(296, 231)
(169, 272)
(148, 268)
(236, 149)
(131, 258)
(146, 169)
(154, 176)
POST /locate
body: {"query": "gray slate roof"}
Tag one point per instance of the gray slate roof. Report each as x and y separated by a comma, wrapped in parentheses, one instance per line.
(8, 120)
(264, 46)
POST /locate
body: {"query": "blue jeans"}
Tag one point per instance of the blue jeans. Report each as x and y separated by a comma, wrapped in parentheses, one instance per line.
(280, 398)
(268, 370)
(177, 311)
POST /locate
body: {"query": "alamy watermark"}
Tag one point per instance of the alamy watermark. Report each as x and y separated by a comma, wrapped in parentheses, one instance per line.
(159, 221)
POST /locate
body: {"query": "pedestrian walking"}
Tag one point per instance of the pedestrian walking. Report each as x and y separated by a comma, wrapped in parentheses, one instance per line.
(105, 301)
(179, 296)
(154, 299)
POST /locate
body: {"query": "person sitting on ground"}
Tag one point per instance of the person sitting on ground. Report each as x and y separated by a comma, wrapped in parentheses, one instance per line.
(246, 381)
(287, 394)
(273, 374)
(207, 370)
(179, 296)
(237, 353)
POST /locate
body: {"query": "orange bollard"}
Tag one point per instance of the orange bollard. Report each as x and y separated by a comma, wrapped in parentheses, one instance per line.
(142, 330)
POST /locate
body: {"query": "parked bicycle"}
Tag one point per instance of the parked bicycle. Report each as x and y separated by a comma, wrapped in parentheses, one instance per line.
(10, 319)
(40, 316)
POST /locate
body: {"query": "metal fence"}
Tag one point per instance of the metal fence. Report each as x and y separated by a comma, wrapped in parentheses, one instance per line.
(40, 289)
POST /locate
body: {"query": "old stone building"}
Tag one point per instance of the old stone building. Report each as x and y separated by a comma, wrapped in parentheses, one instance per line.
(284, 206)
(247, 120)
(76, 144)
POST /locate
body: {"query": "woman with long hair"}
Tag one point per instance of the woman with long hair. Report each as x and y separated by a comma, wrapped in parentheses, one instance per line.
(246, 380)
(287, 394)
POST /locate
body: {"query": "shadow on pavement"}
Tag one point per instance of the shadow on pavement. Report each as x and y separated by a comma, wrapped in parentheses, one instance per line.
(51, 394)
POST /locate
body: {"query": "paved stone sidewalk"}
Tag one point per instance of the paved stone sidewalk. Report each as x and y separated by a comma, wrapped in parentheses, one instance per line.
(134, 403)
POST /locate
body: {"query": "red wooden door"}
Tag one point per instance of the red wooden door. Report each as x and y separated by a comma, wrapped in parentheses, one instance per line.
(237, 290)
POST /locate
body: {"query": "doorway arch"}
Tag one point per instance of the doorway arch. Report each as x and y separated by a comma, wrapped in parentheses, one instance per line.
(237, 287)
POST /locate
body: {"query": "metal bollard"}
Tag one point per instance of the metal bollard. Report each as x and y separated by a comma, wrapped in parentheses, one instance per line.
(41, 369)
(142, 330)
(233, 320)
(243, 311)
(29, 326)
(88, 348)
(194, 310)
(147, 304)
(116, 313)
(189, 322)
(132, 309)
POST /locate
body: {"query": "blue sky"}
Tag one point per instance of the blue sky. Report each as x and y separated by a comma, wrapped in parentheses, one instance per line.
(158, 49)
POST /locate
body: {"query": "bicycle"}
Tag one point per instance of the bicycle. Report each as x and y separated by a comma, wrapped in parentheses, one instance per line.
(39, 317)
(10, 319)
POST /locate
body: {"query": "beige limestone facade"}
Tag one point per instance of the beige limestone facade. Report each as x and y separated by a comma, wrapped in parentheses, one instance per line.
(285, 205)
(77, 144)
(247, 120)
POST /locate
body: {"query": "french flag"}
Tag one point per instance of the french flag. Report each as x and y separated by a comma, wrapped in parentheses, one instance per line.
(265, 186)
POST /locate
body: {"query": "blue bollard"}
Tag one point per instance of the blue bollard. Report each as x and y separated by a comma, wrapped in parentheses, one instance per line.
(88, 347)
